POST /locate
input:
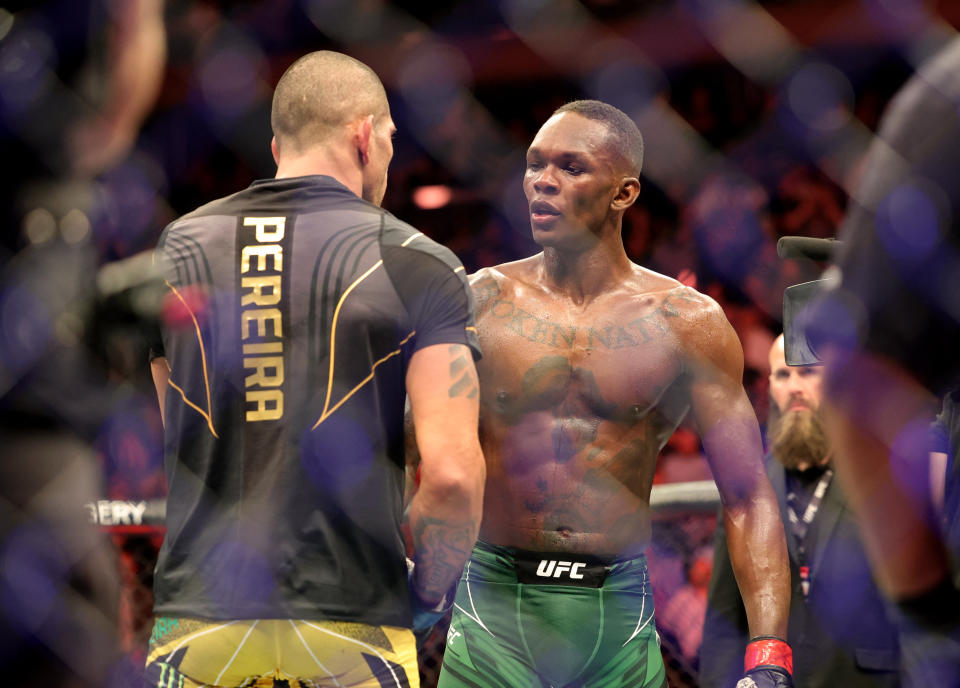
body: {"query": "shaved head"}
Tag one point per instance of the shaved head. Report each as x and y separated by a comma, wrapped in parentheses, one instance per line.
(320, 93)
(624, 136)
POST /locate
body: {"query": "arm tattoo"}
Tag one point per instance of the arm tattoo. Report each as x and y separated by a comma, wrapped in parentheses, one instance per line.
(441, 550)
(465, 384)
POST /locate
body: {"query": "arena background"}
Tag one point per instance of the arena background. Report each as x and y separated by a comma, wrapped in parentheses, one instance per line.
(755, 117)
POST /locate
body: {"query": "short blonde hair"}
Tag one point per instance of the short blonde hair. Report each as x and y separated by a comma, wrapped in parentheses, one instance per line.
(321, 92)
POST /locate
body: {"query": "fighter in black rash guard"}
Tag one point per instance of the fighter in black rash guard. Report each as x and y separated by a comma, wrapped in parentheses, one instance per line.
(294, 370)
(296, 309)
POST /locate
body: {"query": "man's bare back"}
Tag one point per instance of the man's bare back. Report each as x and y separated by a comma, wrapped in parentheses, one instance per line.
(577, 401)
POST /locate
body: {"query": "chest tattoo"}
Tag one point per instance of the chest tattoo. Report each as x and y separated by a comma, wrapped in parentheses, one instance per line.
(529, 326)
(484, 291)
(642, 330)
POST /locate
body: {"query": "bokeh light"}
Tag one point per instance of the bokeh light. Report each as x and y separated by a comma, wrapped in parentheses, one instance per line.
(433, 196)
(24, 69)
(39, 226)
(25, 329)
(75, 226)
(431, 82)
(909, 223)
(229, 76)
(820, 97)
(755, 114)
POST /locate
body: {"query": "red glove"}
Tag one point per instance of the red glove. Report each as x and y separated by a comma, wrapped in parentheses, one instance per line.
(768, 663)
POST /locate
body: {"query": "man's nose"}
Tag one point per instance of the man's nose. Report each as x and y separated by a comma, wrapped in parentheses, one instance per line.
(794, 386)
(545, 180)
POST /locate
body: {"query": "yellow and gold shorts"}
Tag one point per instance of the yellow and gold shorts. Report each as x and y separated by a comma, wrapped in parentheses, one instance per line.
(188, 653)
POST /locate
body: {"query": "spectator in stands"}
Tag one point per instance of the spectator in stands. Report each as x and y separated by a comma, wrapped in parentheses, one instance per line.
(838, 627)
(684, 614)
(945, 468)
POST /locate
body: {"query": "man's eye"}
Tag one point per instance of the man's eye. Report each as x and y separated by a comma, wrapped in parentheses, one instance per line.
(533, 165)
(573, 169)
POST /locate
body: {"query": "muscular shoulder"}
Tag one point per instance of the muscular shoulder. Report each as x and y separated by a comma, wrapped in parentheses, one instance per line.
(690, 308)
(694, 307)
(491, 283)
(706, 336)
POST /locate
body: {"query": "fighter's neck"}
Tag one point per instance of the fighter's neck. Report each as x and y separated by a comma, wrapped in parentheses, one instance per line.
(330, 162)
(583, 275)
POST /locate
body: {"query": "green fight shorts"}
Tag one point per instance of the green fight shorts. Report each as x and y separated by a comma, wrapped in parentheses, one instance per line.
(265, 653)
(539, 619)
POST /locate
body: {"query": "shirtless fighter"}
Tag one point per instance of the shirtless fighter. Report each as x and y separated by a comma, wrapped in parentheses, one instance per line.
(590, 364)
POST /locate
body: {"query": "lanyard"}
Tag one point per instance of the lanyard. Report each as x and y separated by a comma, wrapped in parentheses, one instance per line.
(800, 525)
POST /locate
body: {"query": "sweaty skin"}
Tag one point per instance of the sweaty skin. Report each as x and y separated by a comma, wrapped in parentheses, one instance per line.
(576, 403)
(590, 363)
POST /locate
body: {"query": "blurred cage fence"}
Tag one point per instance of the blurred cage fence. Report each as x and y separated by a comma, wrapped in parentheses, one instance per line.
(684, 520)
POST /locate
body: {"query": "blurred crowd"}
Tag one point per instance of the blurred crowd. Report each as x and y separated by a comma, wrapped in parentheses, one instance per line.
(456, 171)
(116, 117)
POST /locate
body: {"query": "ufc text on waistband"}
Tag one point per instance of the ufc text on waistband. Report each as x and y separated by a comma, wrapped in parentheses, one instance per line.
(555, 568)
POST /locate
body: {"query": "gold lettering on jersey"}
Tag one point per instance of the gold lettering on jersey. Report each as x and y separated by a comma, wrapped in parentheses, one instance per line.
(262, 253)
(268, 404)
(268, 371)
(261, 327)
(269, 229)
(265, 348)
(260, 318)
(264, 291)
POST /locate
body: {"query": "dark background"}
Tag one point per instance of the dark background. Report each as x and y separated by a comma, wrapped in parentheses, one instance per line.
(756, 116)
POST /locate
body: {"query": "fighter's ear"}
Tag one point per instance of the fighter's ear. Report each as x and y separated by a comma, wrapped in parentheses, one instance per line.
(627, 193)
(362, 133)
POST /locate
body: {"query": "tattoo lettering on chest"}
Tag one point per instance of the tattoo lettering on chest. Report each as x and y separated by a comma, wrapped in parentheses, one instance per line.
(531, 327)
(641, 330)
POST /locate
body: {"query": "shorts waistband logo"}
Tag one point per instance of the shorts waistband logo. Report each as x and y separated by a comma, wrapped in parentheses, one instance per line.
(547, 568)
(551, 568)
